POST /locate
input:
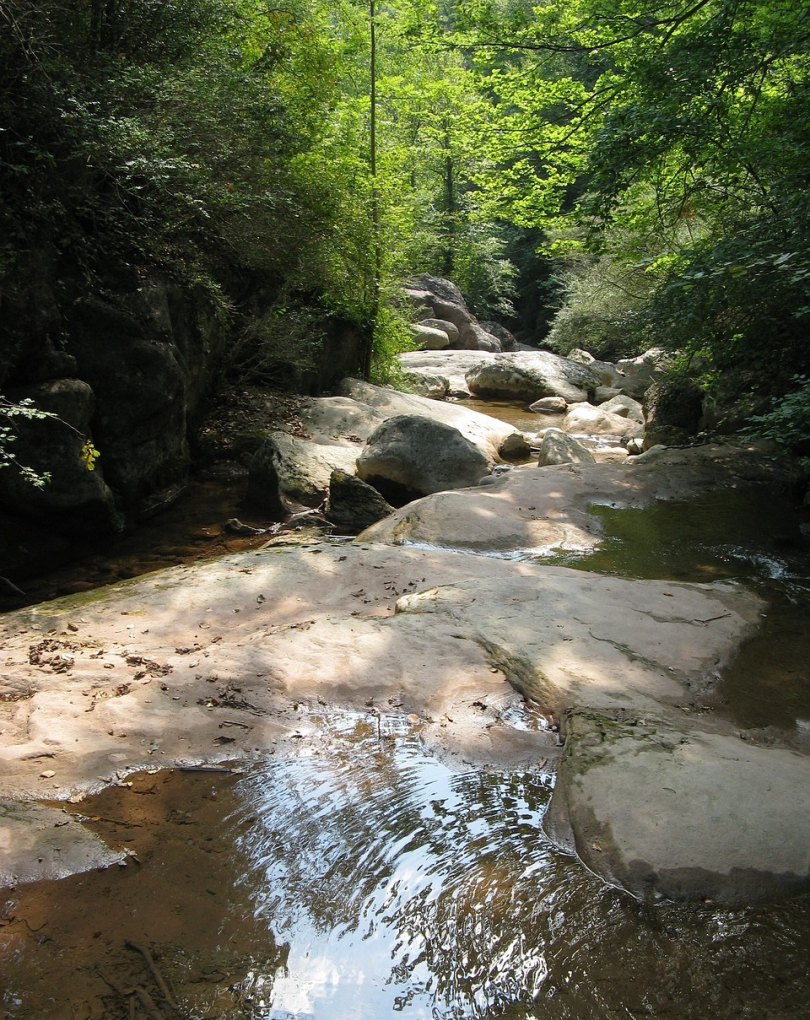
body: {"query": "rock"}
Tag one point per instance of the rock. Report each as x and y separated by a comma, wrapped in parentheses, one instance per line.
(602, 394)
(515, 447)
(635, 446)
(75, 501)
(672, 412)
(331, 624)
(528, 377)
(341, 421)
(549, 405)
(641, 372)
(621, 786)
(49, 363)
(286, 470)
(419, 301)
(585, 419)
(423, 384)
(450, 364)
(625, 407)
(410, 456)
(475, 338)
(442, 288)
(446, 327)
(39, 843)
(558, 447)
(429, 338)
(501, 333)
(487, 433)
(353, 504)
(457, 314)
(150, 356)
(608, 373)
(580, 356)
(548, 507)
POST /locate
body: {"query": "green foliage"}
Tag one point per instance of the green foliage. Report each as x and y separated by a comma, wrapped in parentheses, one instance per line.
(279, 347)
(9, 411)
(391, 338)
(484, 273)
(672, 136)
(788, 420)
(25, 409)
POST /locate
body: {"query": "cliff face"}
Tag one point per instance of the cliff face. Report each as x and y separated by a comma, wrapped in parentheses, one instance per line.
(127, 369)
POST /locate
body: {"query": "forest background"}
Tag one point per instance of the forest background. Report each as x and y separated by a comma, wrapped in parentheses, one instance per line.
(604, 174)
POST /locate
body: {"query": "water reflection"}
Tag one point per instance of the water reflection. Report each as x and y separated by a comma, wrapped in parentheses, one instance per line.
(370, 881)
(397, 882)
(400, 886)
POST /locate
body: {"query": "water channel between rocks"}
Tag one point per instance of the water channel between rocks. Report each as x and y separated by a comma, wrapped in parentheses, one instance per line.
(357, 878)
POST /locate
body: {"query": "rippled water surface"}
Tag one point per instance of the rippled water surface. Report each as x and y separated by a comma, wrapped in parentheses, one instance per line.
(360, 879)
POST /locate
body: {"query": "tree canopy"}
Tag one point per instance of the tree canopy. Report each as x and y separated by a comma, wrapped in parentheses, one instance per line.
(651, 158)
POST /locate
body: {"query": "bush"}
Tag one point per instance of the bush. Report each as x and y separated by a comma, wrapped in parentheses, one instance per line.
(604, 312)
(788, 421)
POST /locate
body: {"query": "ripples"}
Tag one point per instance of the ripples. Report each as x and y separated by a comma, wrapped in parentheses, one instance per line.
(397, 882)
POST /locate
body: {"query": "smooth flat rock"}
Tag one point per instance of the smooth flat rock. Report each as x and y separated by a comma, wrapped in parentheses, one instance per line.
(538, 509)
(663, 811)
(38, 842)
(585, 419)
(226, 659)
(528, 376)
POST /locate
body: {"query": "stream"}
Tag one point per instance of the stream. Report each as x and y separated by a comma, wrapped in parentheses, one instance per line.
(356, 878)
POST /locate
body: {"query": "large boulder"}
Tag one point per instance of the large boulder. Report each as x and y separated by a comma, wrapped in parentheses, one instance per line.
(549, 405)
(149, 356)
(287, 472)
(353, 504)
(446, 327)
(641, 372)
(429, 338)
(451, 364)
(475, 338)
(585, 419)
(625, 407)
(557, 447)
(410, 455)
(341, 421)
(623, 783)
(507, 339)
(424, 384)
(672, 412)
(528, 376)
(488, 434)
(77, 500)
(609, 374)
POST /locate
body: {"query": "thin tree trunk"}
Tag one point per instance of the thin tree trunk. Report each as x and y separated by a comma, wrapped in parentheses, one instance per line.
(375, 194)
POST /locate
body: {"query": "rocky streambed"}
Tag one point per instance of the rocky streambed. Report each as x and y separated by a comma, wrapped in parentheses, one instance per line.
(441, 628)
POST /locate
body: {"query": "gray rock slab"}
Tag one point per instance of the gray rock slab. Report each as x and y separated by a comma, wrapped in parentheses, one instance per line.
(528, 376)
(416, 454)
(38, 842)
(539, 509)
(689, 815)
(585, 419)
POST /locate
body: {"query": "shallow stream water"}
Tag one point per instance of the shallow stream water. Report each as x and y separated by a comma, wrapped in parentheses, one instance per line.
(358, 878)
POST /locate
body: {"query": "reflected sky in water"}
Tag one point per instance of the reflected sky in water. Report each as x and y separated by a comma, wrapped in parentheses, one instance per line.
(396, 883)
